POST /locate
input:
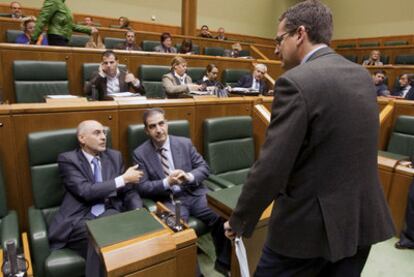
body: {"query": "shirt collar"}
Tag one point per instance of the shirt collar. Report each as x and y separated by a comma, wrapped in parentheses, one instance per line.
(166, 145)
(88, 156)
(181, 78)
(116, 75)
(306, 58)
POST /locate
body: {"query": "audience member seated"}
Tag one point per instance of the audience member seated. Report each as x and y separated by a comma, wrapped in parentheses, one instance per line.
(96, 186)
(59, 20)
(381, 88)
(256, 80)
(16, 10)
(166, 44)
(374, 59)
(88, 21)
(110, 79)
(220, 34)
(205, 33)
(124, 23)
(95, 41)
(129, 43)
(211, 77)
(174, 170)
(186, 47)
(234, 52)
(405, 89)
(28, 26)
(177, 83)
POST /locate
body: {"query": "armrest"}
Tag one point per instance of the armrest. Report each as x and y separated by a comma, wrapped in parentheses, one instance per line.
(149, 204)
(211, 186)
(10, 229)
(220, 181)
(39, 241)
(26, 251)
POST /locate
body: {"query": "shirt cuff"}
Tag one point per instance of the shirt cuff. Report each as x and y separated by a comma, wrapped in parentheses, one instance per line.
(165, 184)
(136, 83)
(190, 177)
(119, 182)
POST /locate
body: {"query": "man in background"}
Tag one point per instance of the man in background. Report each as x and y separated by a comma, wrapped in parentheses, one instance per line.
(378, 77)
(255, 80)
(129, 43)
(405, 89)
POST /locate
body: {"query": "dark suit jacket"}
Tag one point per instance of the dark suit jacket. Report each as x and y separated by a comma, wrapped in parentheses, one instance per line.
(247, 80)
(185, 157)
(100, 85)
(408, 96)
(123, 46)
(81, 192)
(319, 164)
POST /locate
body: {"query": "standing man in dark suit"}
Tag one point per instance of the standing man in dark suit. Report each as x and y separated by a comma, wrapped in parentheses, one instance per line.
(256, 80)
(319, 159)
(174, 170)
(110, 79)
(96, 186)
(406, 88)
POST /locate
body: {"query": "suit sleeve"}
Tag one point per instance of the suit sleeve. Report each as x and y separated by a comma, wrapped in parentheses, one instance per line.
(131, 198)
(78, 184)
(270, 173)
(200, 169)
(171, 88)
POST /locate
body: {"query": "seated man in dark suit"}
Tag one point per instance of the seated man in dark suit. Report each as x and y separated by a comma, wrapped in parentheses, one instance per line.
(129, 43)
(405, 90)
(110, 79)
(16, 10)
(255, 80)
(378, 77)
(173, 170)
(96, 186)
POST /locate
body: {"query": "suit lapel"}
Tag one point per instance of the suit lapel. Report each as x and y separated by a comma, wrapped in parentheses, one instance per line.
(85, 166)
(106, 167)
(154, 161)
(176, 153)
(321, 52)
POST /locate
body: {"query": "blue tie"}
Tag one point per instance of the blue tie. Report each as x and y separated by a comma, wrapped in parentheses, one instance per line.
(97, 209)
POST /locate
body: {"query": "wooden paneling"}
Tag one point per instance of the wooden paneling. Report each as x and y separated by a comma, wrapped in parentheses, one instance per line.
(261, 120)
(381, 40)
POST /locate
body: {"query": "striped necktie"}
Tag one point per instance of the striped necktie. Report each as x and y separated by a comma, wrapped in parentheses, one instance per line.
(164, 161)
(97, 209)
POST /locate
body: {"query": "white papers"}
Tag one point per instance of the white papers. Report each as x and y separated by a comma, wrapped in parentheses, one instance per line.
(122, 94)
(197, 92)
(62, 96)
(238, 89)
(242, 257)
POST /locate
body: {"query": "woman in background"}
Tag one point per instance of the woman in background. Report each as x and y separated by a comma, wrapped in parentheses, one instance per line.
(210, 79)
(186, 47)
(166, 44)
(28, 26)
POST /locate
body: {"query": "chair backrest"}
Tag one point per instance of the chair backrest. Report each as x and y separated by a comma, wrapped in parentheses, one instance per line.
(78, 40)
(35, 79)
(3, 198)
(196, 48)
(11, 35)
(244, 53)
(89, 68)
(151, 78)
(369, 44)
(214, 51)
(111, 43)
(352, 58)
(383, 59)
(395, 42)
(44, 148)
(137, 135)
(148, 45)
(404, 59)
(196, 73)
(229, 147)
(402, 137)
(231, 76)
(348, 45)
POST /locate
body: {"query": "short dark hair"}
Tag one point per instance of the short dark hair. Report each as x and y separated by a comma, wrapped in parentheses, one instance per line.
(210, 67)
(108, 53)
(164, 36)
(186, 46)
(149, 112)
(129, 31)
(314, 16)
(379, 71)
(204, 26)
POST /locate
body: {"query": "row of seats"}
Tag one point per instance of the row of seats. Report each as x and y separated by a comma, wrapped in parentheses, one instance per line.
(354, 58)
(229, 149)
(146, 45)
(373, 44)
(35, 79)
(399, 59)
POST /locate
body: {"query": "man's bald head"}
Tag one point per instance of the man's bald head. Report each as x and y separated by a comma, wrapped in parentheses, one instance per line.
(91, 137)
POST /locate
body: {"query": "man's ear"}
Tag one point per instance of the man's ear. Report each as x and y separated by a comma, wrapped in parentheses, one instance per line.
(301, 35)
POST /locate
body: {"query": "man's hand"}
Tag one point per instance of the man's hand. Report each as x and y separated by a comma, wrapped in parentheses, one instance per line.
(228, 232)
(101, 71)
(94, 30)
(195, 87)
(130, 78)
(177, 177)
(132, 175)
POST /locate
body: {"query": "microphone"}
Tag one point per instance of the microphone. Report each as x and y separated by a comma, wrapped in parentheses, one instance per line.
(178, 215)
(14, 264)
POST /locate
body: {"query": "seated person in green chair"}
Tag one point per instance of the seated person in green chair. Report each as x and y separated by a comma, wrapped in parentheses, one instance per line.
(174, 170)
(110, 79)
(96, 186)
(129, 43)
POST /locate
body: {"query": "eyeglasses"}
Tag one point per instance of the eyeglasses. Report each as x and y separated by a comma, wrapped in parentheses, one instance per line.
(279, 39)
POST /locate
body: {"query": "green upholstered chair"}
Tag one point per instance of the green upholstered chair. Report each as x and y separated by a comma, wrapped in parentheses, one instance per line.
(229, 149)
(214, 51)
(404, 59)
(148, 45)
(383, 59)
(231, 76)
(395, 43)
(78, 40)
(9, 225)
(33, 80)
(11, 35)
(369, 44)
(151, 78)
(111, 43)
(348, 45)
(244, 53)
(89, 68)
(352, 58)
(196, 73)
(137, 136)
(48, 192)
(402, 137)
(196, 48)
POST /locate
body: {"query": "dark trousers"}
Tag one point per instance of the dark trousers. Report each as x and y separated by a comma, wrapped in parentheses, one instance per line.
(57, 40)
(407, 235)
(274, 264)
(79, 242)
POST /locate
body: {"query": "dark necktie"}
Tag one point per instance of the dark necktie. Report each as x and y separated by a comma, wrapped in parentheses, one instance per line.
(164, 161)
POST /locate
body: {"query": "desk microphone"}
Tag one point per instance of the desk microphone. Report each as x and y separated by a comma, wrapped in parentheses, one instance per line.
(14, 265)
(178, 215)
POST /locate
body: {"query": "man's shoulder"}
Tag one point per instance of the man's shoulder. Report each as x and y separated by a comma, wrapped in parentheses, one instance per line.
(143, 147)
(180, 140)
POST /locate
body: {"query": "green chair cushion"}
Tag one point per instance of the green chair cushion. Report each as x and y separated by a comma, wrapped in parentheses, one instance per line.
(352, 58)
(196, 73)
(149, 45)
(111, 43)
(151, 78)
(244, 53)
(78, 40)
(402, 137)
(199, 227)
(11, 35)
(350, 45)
(35, 92)
(64, 262)
(395, 42)
(226, 128)
(404, 59)
(214, 51)
(231, 76)
(237, 177)
(369, 44)
(9, 229)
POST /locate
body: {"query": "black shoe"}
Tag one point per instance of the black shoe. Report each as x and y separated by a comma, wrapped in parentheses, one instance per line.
(398, 245)
(219, 267)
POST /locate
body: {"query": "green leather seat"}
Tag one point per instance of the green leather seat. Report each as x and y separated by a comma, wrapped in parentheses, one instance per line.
(11, 35)
(395, 43)
(137, 136)
(196, 73)
(404, 59)
(9, 225)
(89, 68)
(369, 44)
(402, 137)
(229, 149)
(35, 79)
(151, 78)
(231, 76)
(350, 45)
(148, 45)
(78, 40)
(48, 192)
(196, 48)
(383, 59)
(244, 53)
(352, 58)
(214, 51)
(111, 43)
